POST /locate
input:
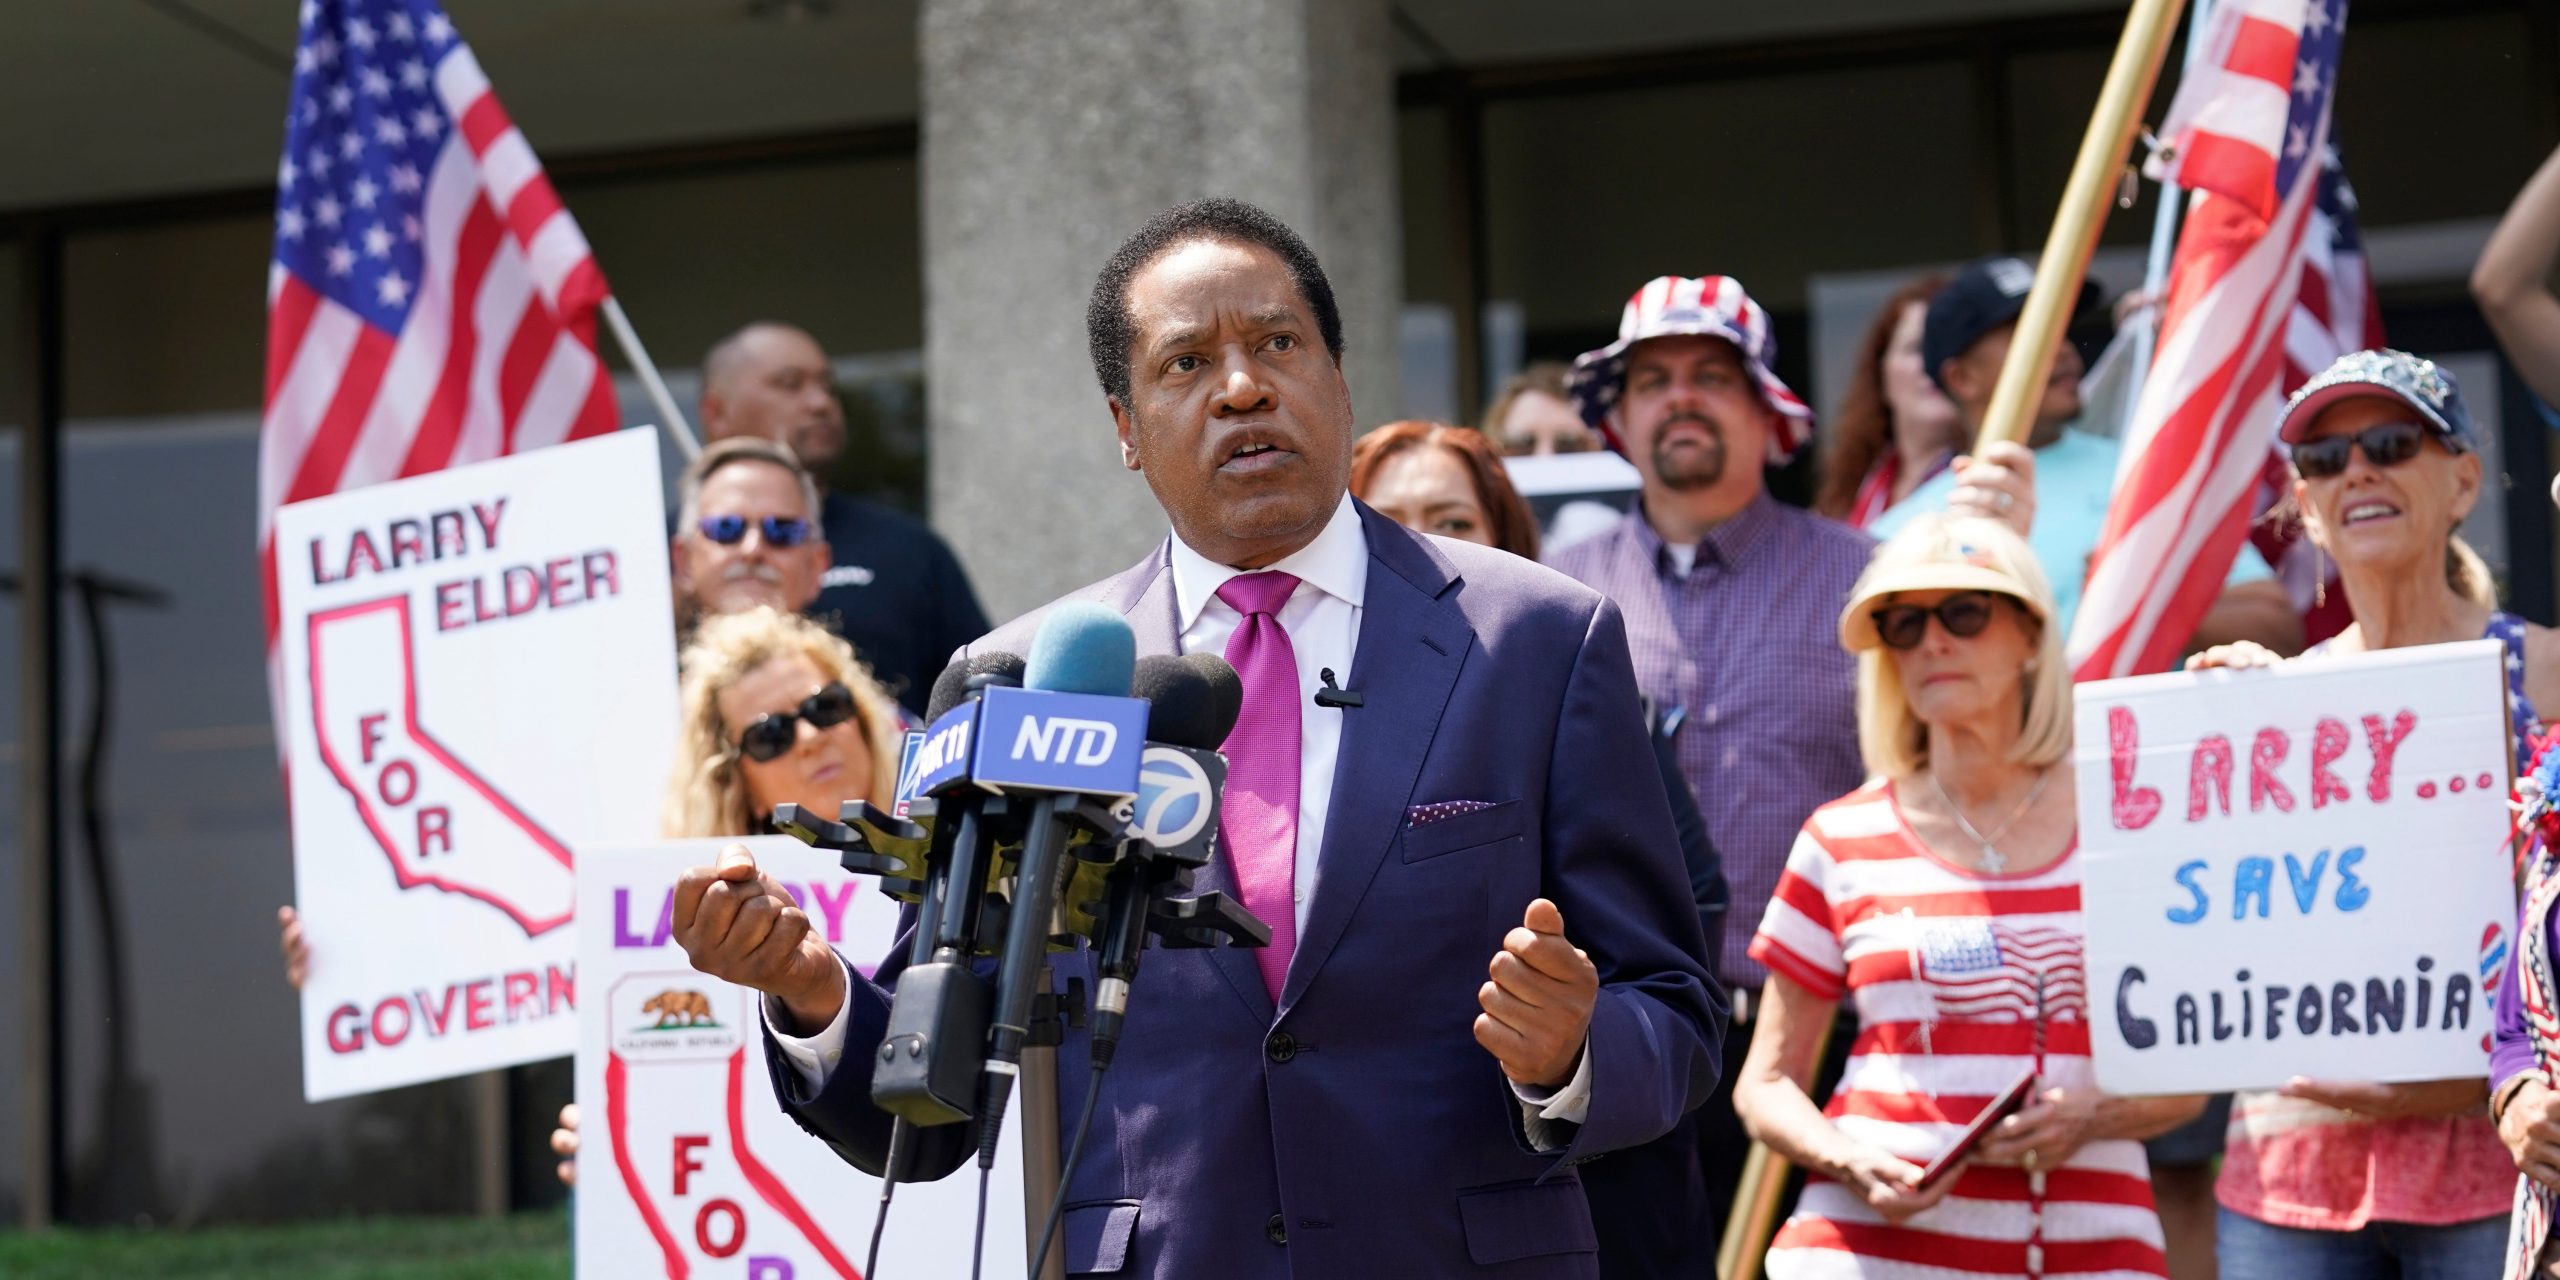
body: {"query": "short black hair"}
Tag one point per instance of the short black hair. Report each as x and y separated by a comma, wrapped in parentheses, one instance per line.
(1108, 331)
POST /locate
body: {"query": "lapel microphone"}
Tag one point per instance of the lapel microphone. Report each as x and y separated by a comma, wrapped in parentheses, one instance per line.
(1333, 695)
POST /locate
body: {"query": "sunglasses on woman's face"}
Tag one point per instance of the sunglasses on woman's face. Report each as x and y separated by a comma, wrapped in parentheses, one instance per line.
(2387, 445)
(779, 531)
(1963, 614)
(771, 735)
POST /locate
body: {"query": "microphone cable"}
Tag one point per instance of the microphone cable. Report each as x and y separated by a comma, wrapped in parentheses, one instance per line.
(1067, 1171)
(978, 1250)
(899, 1133)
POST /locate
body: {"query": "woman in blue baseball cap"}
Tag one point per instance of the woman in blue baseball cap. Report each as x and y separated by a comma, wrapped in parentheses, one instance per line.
(2329, 1177)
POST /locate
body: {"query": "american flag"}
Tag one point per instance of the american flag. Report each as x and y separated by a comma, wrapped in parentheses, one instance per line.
(1988, 970)
(430, 302)
(2260, 283)
(2336, 313)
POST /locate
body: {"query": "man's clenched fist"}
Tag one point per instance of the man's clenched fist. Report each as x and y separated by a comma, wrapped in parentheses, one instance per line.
(1537, 1008)
(740, 926)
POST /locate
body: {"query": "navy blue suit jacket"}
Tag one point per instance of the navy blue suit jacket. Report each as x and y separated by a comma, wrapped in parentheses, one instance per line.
(1359, 1121)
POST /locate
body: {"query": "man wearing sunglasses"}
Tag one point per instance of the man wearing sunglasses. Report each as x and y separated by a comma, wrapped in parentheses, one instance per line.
(1963, 343)
(746, 531)
(887, 583)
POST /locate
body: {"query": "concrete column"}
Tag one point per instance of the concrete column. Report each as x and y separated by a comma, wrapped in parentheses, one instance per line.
(1051, 131)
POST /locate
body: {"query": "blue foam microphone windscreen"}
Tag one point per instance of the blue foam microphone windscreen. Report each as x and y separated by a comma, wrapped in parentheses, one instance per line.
(1082, 647)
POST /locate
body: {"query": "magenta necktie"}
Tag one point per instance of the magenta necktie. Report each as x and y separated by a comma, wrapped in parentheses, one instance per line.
(1260, 813)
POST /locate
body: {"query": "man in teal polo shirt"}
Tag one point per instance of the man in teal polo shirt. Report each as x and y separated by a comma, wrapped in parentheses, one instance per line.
(1964, 342)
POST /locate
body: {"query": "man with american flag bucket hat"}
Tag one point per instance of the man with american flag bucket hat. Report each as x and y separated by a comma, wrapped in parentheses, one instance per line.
(1732, 601)
(1692, 306)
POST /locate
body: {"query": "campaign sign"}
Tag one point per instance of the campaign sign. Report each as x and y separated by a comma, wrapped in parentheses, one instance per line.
(2299, 870)
(687, 1165)
(1036, 740)
(478, 674)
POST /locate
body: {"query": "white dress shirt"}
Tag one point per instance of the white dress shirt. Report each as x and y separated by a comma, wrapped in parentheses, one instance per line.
(1322, 618)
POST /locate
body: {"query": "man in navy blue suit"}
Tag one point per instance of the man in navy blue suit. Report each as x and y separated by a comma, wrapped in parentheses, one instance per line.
(1485, 967)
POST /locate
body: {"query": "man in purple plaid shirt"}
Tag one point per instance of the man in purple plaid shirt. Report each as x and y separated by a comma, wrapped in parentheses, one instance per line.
(1732, 602)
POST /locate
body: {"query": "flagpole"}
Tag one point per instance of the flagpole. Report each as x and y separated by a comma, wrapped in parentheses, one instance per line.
(1757, 1196)
(2130, 77)
(2164, 220)
(669, 416)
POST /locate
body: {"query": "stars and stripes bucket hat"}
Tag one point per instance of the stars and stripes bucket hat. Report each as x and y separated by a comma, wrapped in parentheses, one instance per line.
(1708, 306)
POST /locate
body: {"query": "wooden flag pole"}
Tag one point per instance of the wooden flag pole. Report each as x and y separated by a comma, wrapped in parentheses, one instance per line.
(2148, 29)
(670, 418)
(1754, 1217)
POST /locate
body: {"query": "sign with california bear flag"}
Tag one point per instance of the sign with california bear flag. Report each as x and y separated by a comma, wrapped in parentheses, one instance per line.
(2297, 871)
(478, 679)
(687, 1165)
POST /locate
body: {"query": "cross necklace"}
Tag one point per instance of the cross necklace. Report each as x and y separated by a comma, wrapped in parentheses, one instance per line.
(1991, 859)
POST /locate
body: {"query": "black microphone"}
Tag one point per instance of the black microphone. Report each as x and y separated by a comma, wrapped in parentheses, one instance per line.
(936, 858)
(1173, 822)
(1333, 695)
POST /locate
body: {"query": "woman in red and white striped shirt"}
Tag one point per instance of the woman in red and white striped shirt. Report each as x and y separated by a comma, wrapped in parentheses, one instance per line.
(1943, 899)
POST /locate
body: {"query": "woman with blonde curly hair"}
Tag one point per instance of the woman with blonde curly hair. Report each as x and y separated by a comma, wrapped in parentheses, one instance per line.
(775, 708)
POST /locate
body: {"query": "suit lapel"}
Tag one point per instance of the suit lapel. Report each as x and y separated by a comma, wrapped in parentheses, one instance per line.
(1411, 646)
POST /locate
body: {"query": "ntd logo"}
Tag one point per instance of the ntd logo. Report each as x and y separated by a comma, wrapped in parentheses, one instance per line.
(1064, 740)
(1039, 740)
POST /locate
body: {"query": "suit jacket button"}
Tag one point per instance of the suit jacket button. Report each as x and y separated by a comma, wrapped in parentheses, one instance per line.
(1280, 1048)
(1276, 1230)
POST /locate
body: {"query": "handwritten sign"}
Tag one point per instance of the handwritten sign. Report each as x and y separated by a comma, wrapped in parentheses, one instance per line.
(686, 1163)
(479, 677)
(2296, 871)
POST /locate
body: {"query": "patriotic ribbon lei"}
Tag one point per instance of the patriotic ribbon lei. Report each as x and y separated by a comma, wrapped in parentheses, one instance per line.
(2537, 805)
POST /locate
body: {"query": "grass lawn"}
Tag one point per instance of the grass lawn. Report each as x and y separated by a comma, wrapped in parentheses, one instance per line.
(533, 1246)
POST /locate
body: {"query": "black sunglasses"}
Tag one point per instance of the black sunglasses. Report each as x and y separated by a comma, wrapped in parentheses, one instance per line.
(771, 735)
(1963, 614)
(2387, 445)
(779, 531)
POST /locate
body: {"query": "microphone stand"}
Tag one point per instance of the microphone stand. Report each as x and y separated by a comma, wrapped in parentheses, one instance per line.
(1039, 1128)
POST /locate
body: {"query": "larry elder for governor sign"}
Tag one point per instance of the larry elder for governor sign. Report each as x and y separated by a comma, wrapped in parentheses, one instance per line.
(479, 679)
(2296, 871)
(686, 1163)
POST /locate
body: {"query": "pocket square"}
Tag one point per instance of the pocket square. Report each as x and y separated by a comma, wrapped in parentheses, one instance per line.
(1423, 815)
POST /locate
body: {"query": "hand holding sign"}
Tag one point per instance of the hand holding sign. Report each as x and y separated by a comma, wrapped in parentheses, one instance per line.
(1537, 1008)
(740, 925)
(2239, 655)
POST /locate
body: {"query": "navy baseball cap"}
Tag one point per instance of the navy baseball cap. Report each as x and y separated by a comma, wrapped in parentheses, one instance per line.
(2396, 375)
(1986, 294)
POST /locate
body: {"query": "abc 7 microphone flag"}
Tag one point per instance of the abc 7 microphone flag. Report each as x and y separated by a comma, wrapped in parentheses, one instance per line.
(1176, 799)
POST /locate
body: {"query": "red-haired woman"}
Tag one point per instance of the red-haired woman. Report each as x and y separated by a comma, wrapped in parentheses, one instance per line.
(1894, 428)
